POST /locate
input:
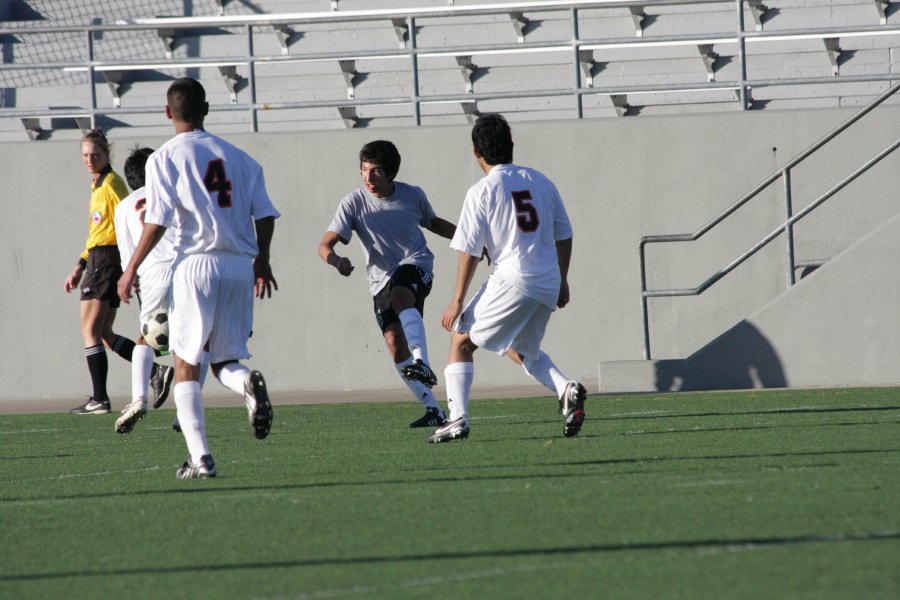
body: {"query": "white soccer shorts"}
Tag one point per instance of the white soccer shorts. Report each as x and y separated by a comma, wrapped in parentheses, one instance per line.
(500, 317)
(212, 299)
(156, 285)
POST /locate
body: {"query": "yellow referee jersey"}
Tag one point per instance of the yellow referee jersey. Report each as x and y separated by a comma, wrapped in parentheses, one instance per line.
(106, 193)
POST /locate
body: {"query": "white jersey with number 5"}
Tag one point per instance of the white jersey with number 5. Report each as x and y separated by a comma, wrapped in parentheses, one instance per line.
(213, 190)
(517, 214)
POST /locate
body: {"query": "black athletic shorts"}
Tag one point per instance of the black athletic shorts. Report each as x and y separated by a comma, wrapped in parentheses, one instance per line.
(101, 276)
(416, 279)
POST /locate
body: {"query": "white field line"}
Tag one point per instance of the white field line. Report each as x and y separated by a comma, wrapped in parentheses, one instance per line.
(713, 482)
(417, 582)
(640, 414)
(21, 431)
(79, 475)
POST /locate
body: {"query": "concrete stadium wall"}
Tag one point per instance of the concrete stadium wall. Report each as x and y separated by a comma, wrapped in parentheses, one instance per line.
(621, 179)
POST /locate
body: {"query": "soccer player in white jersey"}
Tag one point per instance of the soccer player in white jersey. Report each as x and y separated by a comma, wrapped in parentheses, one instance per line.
(214, 195)
(155, 283)
(387, 216)
(517, 213)
(155, 278)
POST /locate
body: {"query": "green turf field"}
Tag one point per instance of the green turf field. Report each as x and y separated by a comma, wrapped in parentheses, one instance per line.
(757, 495)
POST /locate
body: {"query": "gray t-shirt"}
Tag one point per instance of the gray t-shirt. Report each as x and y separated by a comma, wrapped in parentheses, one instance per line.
(388, 229)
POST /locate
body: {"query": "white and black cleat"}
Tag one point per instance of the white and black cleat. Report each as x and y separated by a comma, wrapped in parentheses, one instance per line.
(457, 429)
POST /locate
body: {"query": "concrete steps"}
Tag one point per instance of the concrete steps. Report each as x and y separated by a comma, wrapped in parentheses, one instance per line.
(836, 327)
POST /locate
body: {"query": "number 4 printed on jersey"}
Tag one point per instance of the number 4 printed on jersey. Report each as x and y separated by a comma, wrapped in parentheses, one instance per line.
(217, 181)
(526, 213)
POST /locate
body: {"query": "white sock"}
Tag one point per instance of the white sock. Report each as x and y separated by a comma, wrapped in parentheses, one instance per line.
(141, 365)
(204, 367)
(233, 375)
(459, 377)
(546, 373)
(189, 403)
(414, 330)
(421, 391)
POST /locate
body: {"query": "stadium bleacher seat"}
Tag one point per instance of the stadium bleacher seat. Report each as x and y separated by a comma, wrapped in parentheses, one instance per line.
(332, 64)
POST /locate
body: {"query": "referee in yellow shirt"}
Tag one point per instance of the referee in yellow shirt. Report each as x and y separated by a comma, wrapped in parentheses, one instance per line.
(101, 266)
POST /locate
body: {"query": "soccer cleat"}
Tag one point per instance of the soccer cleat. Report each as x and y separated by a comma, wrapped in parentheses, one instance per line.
(420, 372)
(91, 407)
(433, 417)
(571, 405)
(205, 469)
(457, 429)
(161, 377)
(259, 409)
(133, 413)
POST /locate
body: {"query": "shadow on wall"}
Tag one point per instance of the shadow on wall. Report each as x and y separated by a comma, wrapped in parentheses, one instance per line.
(741, 358)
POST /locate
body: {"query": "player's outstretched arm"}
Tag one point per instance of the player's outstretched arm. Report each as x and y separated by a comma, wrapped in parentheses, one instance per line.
(262, 270)
(328, 255)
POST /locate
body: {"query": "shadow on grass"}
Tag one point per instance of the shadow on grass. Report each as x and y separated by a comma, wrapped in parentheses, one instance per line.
(36, 456)
(708, 544)
(215, 486)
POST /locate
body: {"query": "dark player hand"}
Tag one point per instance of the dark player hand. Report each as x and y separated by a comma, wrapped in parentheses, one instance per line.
(344, 266)
(563, 295)
(265, 281)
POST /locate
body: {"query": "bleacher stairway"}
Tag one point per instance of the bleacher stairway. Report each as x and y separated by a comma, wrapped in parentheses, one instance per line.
(841, 308)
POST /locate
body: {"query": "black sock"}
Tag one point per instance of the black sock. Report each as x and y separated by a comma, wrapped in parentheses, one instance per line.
(123, 347)
(98, 365)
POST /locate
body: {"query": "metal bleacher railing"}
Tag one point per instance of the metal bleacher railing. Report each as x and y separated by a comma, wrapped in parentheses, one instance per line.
(407, 23)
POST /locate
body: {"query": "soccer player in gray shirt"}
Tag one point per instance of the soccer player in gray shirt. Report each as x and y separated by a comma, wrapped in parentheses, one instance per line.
(388, 217)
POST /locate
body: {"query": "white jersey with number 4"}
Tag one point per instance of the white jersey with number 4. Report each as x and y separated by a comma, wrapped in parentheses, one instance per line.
(213, 190)
(129, 223)
(517, 214)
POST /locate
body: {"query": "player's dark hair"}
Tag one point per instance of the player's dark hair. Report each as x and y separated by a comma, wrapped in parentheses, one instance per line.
(492, 139)
(134, 166)
(384, 154)
(187, 100)
(97, 137)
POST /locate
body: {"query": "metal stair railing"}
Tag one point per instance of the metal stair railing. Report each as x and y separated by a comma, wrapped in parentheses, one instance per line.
(784, 173)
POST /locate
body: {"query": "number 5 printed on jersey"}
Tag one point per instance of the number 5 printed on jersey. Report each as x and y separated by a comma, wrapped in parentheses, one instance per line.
(526, 213)
(217, 181)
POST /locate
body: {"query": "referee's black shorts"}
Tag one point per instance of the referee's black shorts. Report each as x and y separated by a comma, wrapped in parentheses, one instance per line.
(101, 276)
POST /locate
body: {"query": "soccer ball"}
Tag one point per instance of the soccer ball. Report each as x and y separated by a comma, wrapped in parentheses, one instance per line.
(155, 330)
